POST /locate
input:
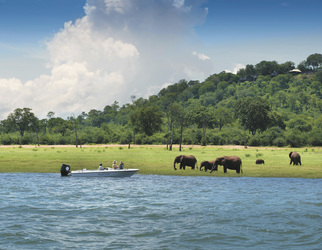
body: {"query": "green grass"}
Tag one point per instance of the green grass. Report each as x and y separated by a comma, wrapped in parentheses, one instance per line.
(157, 160)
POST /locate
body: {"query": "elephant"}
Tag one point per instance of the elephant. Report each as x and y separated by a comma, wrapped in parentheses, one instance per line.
(208, 165)
(230, 162)
(295, 158)
(260, 161)
(185, 160)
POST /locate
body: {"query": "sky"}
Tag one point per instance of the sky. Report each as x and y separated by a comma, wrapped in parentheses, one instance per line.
(72, 56)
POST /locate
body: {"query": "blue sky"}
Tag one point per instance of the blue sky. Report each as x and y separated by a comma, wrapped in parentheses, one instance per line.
(69, 56)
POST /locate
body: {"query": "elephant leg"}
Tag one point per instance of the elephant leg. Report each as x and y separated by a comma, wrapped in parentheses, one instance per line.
(225, 170)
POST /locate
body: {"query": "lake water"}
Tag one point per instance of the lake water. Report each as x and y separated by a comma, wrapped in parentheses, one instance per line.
(46, 211)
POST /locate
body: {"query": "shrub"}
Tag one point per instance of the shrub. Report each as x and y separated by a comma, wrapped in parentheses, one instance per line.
(253, 141)
(279, 142)
(295, 139)
(315, 138)
(216, 140)
(5, 139)
(203, 142)
(61, 140)
(46, 140)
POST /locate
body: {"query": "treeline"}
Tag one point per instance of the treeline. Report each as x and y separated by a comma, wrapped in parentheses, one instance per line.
(267, 104)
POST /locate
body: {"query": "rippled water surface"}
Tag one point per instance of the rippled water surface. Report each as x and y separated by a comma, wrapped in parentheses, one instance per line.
(46, 211)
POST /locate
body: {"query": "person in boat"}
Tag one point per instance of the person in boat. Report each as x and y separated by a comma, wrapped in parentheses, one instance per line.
(100, 167)
(114, 166)
(121, 166)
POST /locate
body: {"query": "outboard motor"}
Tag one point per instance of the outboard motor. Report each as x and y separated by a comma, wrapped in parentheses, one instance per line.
(65, 170)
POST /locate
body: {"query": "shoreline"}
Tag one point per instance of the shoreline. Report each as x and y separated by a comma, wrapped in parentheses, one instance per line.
(156, 159)
(174, 146)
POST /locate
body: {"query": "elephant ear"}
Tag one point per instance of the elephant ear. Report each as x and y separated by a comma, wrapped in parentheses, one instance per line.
(290, 154)
(219, 160)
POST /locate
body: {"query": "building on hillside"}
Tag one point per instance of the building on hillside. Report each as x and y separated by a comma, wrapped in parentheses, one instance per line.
(295, 71)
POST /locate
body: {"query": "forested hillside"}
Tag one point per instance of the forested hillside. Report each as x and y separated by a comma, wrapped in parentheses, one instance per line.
(267, 104)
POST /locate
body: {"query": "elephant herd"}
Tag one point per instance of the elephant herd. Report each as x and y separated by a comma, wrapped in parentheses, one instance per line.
(228, 162)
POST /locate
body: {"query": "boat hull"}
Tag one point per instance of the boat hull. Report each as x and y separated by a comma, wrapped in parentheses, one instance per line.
(104, 173)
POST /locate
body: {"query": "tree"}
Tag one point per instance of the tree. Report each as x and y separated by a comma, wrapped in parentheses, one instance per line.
(204, 118)
(96, 117)
(285, 67)
(35, 126)
(251, 72)
(50, 120)
(74, 124)
(318, 76)
(281, 97)
(181, 118)
(253, 113)
(267, 68)
(223, 116)
(302, 66)
(5, 126)
(135, 123)
(314, 61)
(207, 87)
(60, 125)
(22, 120)
(149, 119)
(301, 123)
(276, 120)
(176, 115)
(50, 114)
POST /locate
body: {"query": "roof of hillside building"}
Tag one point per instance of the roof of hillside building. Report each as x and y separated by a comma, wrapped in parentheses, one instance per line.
(295, 71)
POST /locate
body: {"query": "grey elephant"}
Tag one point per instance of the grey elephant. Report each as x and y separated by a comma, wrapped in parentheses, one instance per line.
(295, 158)
(228, 162)
(260, 161)
(207, 165)
(185, 160)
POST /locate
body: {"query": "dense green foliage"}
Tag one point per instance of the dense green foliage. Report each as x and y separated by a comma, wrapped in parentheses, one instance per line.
(263, 104)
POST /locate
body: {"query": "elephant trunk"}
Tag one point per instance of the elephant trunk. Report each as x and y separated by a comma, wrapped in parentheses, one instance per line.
(174, 166)
(214, 168)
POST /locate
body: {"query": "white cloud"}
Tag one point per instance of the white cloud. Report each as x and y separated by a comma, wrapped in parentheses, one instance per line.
(117, 5)
(201, 56)
(236, 68)
(118, 49)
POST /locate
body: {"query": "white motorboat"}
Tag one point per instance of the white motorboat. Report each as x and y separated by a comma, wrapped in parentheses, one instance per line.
(107, 172)
(104, 173)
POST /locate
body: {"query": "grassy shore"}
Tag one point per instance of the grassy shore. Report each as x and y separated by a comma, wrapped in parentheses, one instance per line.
(158, 160)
